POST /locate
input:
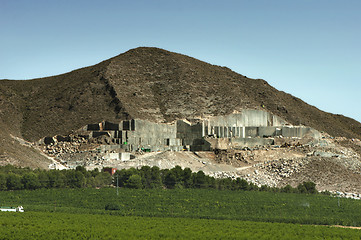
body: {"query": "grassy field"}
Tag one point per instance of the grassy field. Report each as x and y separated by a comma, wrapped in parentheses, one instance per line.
(41, 225)
(176, 214)
(193, 203)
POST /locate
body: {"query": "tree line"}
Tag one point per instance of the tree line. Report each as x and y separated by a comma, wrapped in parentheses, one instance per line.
(14, 178)
(152, 177)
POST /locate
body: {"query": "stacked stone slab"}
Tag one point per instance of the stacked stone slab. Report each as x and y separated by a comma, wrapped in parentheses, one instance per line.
(154, 136)
(248, 128)
(252, 128)
(137, 134)
(192, 136)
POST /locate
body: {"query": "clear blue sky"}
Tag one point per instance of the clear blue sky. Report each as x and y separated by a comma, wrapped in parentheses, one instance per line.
(309, 48)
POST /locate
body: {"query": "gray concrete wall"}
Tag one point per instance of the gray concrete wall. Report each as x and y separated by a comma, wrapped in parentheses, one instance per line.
(277, 121)
(251, 132)
(248, 128)
(219, 143)
(154, 136)
(253, 118)
(188, 133)
(263, 132)
(242, 125)
(269, 131)
(300, 132)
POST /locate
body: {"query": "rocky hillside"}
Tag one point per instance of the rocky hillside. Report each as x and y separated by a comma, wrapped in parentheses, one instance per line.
(145, 83)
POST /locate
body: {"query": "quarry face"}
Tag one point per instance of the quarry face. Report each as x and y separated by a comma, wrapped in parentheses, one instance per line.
(253, 144)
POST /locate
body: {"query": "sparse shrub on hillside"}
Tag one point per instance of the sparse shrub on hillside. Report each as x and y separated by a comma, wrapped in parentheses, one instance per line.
(307, 187)
(310, 187)
(242, 184)
(327, 193)
(289, 189)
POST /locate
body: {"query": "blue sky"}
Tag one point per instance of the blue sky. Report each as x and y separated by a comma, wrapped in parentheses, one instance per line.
(308, 48)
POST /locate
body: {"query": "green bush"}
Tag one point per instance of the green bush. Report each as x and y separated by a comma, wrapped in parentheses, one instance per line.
(112, 206)
(307, 187)
(134, 181)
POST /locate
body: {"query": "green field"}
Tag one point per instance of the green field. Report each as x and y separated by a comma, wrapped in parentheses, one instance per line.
(177, 213)
(40, 225)
(192, 203)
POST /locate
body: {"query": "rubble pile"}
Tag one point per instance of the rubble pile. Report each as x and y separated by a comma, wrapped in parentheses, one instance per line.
(342, 155)
(346, 195)
(352, 163)
(84, 158)
(58, 148)
(229, 156)
(282, 168)
(271, 173)
(224, 174)
(73, 150)
(260, 178)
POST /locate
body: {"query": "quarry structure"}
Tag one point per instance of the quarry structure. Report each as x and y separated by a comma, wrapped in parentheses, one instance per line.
(249, 128)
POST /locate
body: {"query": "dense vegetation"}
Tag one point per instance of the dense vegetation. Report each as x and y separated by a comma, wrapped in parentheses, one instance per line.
(12, 178)
(81, 226)
(191, 203)
(152, 177)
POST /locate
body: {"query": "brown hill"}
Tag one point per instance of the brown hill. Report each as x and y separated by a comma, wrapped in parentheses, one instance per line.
(145, 83)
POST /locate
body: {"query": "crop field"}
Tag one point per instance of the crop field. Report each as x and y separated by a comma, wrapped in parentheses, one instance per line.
(89, 213)
(192, 203)
(42, 225)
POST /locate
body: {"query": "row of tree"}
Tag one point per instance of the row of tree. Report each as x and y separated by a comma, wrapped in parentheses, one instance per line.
(13, 178)
(153, 177)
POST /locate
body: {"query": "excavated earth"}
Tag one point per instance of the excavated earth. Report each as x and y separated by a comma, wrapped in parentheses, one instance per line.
(331, 166)
(161, 86)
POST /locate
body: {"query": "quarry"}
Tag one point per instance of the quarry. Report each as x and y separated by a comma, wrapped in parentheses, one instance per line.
(252, 144)
(126, 140)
